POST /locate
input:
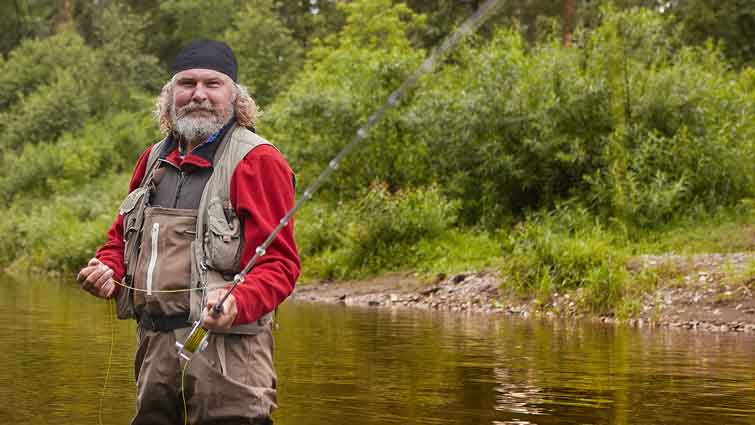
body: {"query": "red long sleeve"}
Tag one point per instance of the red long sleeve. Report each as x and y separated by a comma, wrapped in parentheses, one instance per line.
(111, 252)
(261, 193)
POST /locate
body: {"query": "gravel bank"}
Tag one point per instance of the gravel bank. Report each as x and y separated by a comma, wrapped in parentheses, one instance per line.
(711, 292)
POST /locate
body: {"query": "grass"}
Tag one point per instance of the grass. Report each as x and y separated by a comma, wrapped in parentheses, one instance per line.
(729, 230)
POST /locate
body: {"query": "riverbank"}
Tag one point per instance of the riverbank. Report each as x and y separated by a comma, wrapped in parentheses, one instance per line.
(702, 292)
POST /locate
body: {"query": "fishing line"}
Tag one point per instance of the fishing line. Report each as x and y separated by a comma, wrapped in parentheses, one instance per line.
(112, 319)
(156, 291)
(183, 391)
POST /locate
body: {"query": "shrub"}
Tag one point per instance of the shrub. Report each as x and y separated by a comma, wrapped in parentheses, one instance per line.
(344, 79)
(62, 232)
(565, 251)
(376, 232)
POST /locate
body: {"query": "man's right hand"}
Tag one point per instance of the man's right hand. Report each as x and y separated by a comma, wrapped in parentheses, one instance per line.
(97, 279)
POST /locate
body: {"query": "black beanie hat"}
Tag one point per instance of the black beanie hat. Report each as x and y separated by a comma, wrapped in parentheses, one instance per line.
(207, 54)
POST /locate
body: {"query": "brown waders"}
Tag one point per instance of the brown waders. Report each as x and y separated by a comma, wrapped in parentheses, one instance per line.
(231, 382)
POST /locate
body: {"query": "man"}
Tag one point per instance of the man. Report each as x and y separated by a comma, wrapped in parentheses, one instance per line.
(200, 202)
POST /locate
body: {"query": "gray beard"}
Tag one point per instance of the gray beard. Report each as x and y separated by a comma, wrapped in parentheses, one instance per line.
(197, 129)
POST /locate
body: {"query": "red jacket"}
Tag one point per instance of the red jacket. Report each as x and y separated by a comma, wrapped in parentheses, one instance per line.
(261, 194)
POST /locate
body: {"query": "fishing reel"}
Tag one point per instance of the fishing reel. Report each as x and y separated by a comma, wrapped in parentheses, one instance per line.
(195, 342)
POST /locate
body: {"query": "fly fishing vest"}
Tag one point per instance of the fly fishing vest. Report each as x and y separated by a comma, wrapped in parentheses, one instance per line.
(169, 250)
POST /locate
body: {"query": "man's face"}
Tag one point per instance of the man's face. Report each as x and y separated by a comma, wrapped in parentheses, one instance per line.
(202, 103)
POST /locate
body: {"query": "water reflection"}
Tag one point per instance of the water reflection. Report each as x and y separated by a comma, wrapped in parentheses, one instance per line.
(341, 365)
(516, 398)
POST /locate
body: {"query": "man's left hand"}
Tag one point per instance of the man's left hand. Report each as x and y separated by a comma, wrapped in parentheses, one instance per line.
(224, 320)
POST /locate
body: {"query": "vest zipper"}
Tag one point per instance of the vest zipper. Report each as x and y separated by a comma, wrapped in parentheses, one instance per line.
(181, 177)
(153, 256)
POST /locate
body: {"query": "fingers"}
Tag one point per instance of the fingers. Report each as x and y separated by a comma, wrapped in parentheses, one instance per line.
(224, 320)
(213, 298)
(108, 289)
(103, 278)
(88, 269)
(93, 277)
(96, 278)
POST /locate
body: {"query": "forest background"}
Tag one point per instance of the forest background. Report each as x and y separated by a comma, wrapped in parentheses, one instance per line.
(565, 138)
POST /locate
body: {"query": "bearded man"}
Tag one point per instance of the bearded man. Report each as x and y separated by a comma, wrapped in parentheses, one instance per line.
(200, 201)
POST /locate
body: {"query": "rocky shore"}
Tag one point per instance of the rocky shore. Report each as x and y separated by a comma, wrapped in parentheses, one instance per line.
(712, 292)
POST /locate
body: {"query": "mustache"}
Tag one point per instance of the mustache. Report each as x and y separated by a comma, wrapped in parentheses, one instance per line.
(205, 106)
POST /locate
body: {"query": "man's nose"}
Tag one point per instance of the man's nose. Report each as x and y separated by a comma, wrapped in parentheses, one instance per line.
(199, 94)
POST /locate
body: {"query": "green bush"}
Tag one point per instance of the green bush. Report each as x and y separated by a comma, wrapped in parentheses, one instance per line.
(630, 122)
(60, 233)
(102, 146)
(37, 61)
(345, 78)
(389, 220)
(267, 53)
(565, 251)
(47, 112)
(376, 232)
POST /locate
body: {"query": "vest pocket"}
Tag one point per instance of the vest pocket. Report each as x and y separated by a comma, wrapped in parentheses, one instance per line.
(222, 239)
(132, 209)
(164, 262)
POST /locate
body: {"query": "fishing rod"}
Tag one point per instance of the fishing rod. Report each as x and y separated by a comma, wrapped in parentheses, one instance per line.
(197, 339)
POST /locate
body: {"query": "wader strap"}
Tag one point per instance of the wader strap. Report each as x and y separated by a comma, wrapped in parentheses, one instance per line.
(164, 323)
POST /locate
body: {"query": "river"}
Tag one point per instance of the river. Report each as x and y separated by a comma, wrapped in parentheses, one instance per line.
(342, 365)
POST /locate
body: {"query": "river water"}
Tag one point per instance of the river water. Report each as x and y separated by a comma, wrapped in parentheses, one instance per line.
(341, 365)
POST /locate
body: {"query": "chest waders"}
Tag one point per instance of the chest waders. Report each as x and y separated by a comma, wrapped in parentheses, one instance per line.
(174, 256)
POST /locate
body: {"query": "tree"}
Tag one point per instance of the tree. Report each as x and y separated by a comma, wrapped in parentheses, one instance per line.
(345, 78)
(266, 51)
(570, 11)
(732, 22)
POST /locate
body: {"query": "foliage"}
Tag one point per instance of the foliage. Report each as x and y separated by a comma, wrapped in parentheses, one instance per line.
(266, 51)
(57, 234)
(20, 20)
(45, 113)
(562, 251)
(54, 85)
(103, 145)
(624, 143)
(191, 19)
(631, 124)
(69, 133)
(732, 22)
(377, 232)
(345, 78)
(37, 61)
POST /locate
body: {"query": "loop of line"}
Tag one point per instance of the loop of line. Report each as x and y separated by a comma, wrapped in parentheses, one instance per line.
(158, 291)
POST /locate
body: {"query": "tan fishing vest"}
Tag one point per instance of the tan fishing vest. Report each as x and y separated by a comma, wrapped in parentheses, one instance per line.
(176, 249)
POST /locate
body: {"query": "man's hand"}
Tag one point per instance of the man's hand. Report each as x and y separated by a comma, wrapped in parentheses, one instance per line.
(97, 279)
(224, 320)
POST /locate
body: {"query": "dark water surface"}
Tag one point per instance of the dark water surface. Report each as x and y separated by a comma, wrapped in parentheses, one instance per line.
(341, 365)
